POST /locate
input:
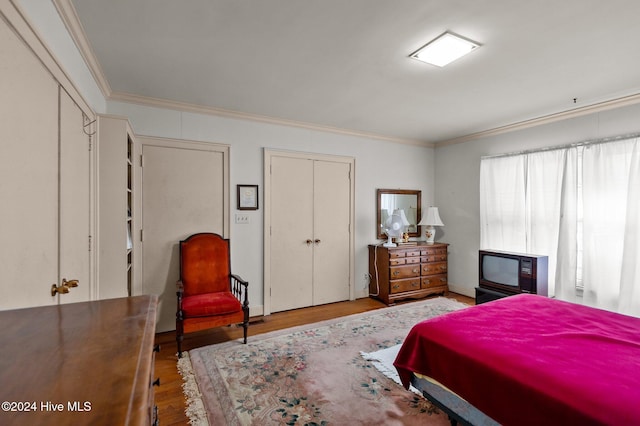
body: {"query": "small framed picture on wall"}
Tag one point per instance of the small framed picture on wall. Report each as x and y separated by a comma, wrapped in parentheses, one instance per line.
(247, 197)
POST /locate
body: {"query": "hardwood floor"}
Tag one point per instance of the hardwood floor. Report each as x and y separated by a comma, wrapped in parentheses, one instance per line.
(169, 397)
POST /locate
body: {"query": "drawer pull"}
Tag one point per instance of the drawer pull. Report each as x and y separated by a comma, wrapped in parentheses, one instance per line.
(156, 382)
(415, 284)
(156, 348)
(417, 270)
(395, 273)
(396, 286)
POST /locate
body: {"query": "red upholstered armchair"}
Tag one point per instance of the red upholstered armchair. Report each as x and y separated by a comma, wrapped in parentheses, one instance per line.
(209, 295)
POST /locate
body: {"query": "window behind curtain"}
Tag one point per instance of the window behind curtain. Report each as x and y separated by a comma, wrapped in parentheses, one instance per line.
(580, 206)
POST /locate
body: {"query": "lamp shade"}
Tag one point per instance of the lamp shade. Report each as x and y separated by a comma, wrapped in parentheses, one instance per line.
(432, 218)
(400, 212)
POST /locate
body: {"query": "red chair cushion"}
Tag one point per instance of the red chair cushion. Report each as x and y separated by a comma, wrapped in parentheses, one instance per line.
(210, 304)
(205, 264)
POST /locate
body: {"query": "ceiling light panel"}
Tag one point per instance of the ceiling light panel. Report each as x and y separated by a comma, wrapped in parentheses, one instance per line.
(445, 49)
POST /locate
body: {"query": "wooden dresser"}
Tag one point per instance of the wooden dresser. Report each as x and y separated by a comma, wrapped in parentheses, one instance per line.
(409, 271)
(88, 363)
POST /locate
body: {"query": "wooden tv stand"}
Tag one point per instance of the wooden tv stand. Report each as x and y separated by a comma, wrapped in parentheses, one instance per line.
(407, 271)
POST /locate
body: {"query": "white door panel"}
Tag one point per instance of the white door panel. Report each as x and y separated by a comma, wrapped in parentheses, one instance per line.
(308, 243)
(183, 192)
(28, 176)
(332, 218)
(291, 233)
(75, 206)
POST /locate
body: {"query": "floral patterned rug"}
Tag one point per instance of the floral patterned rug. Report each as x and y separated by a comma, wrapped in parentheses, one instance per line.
(310, 375)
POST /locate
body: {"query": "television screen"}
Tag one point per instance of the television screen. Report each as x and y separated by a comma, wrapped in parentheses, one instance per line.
(500, 270)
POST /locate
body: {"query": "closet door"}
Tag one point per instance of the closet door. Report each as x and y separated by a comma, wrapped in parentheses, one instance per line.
(291, 233)
(331, 230)
(45, 183)
(308, 243)
(184, 191)
(75, 201)
(28, 176)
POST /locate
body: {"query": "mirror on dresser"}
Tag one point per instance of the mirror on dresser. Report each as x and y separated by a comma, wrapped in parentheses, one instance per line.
(408, 200)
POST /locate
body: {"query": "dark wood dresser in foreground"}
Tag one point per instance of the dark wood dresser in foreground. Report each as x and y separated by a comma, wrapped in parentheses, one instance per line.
(407, 271)
(87, 363)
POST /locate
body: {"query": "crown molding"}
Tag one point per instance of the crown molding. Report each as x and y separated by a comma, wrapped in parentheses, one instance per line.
(221, 112)
(69, 17)
(546, 119)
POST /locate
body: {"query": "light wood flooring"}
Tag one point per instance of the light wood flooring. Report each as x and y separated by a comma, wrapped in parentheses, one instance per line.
(169, 397)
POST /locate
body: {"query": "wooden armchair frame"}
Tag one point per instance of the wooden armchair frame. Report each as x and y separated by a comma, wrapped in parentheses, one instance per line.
(236, 286)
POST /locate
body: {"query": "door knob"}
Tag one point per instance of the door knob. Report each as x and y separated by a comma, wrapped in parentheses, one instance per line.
(64, 287)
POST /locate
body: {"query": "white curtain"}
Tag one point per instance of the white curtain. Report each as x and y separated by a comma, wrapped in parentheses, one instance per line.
(567, 253)
(580, 206)
(611, 183)
(502, 203)
(545, 177)
(630, 280)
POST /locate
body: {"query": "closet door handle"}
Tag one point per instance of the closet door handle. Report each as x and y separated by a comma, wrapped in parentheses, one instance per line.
(309, 241)
(317, 241)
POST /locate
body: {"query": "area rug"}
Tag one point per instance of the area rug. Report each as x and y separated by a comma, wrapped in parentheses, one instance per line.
(310, 375)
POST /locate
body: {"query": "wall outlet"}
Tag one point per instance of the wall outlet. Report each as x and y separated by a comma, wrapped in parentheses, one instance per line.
(242, 218)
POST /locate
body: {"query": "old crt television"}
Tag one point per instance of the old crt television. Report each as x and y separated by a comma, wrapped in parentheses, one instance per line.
(505, 273)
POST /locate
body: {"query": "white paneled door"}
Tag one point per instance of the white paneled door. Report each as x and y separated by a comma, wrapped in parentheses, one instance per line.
(291, 200)
(184, 191)
(45, 175)
(308, 237)
(75, 202)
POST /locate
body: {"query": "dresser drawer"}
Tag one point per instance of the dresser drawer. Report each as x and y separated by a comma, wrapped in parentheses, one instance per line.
(399, 286)
(406, 271)
(396, 254)
(434, 258)
(412, 260)
(434, 281)
(434, 268)
(397, 261)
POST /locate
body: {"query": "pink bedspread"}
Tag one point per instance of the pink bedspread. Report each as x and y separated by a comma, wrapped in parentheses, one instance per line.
(531, 360)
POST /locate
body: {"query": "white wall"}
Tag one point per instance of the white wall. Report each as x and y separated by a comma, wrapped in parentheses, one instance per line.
(377, 165)
(458, 174)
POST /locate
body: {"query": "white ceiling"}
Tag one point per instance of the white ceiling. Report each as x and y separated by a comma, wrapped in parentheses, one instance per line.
(344, 64)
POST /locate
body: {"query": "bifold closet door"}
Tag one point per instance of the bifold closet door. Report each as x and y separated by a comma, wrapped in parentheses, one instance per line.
(310, 232)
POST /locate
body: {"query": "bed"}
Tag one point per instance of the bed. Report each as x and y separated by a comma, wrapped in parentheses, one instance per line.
(529, 360)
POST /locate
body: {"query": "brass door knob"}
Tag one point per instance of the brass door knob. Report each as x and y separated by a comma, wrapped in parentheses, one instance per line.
(64, 287)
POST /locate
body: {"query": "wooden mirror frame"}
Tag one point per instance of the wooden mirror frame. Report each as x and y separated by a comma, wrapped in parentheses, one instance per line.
(380, 192)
